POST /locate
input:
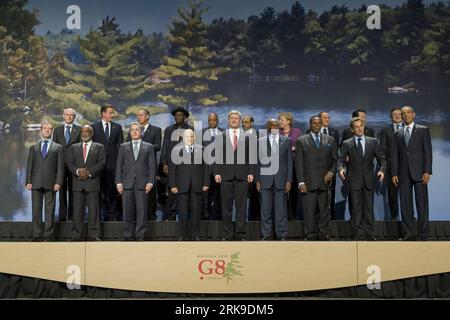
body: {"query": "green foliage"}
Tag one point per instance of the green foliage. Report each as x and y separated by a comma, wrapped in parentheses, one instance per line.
(191, 67)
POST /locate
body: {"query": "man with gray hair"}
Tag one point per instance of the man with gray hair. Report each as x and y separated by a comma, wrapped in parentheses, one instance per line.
(135, 178)
(234, 170)
(66, 135)
(45, 173)
(86, 161)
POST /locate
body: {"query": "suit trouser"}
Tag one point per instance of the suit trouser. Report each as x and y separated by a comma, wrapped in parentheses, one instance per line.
(363, 220)
(295, 206)
(36, 199)
(135, 206)
(152, 204)
(189, 206)
(333, 198)
(66, 197)
(254, 209)
(229, 191)
(110, 196)
(81, 199)
(211, 202)
(406, 200)
(277, 200)
(392, 197)
(316, 214)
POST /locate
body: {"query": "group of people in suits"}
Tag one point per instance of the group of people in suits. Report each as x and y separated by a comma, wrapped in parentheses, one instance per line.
(214, 176)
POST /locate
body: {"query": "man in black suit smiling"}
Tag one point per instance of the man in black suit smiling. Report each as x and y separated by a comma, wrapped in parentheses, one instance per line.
(412, 158)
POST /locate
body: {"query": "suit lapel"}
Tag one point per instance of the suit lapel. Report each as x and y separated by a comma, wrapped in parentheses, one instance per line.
(141, 150)
(73, 133)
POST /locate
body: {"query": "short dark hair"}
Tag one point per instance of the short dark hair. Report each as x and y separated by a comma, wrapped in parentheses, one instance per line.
(355, 114)
(395, 109)
(320, 113)
(312, 118)
(105, 107)
(145, 110)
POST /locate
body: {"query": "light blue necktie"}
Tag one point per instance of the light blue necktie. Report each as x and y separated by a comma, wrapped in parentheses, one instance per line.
(135, 150)
(316, 139)
(67, 135)
(407, 136)
(44, 149)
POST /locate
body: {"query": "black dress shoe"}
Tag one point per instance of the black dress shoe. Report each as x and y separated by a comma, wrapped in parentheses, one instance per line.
(283, 239)
(141, 239)
(266, 239)
(95, 239)
(180, 239)
(324, 239)
(196, 239)
(63, 219)
(127, 239)
(36, 240)
(371, 238)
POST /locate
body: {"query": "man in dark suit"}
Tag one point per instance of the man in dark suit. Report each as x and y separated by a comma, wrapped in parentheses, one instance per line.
(315, 162)
(273, 180)
(135, 178)
(45, 174)
(360, 151)
(172, 136)
(330, 131)
(348, 133)
(189, 178)
(66, 135)
(234, 168)
(254, 208)
(386, 143)
(152, 135)
(211, 199)
(110, 135)
(86, 161)
(412, 158)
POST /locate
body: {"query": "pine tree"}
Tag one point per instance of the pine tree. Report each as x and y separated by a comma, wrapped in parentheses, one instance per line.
(189, 68)
(109, 76)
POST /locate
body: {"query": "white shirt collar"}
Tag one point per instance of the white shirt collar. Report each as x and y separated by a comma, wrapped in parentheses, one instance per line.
(70, 125)
(138, 141)
(411, 125)
(104, 123)
(88, 143)
(363, 138)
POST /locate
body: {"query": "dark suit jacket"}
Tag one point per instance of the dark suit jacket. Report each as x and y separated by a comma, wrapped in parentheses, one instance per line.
(59, 137)
(140, 171)
(151, 135)
(168, 144)
(386, 143)
(45, 173)
(285, 166)
(347, 134)
(311, 164)
(189, 176)
(360, 170)
(331, 132)
(206, 135)
(112, 147)
(95, 163)
(233, 169)
(414, 159)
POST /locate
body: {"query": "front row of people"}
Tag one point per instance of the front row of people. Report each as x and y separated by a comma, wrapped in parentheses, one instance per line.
(317, 160)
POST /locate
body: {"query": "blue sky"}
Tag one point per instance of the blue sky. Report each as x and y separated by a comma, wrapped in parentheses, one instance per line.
(156, 15)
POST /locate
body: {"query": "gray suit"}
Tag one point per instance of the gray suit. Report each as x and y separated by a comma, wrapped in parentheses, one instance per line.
(361, 181)
(312, 165)
(43, 174)
(134, 175)
(86, 192)
(273, 186)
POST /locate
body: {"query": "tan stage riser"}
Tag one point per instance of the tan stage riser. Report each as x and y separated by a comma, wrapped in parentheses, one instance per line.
(224, 267)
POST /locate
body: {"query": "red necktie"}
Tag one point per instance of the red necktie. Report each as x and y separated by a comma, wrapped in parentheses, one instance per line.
(84, 151)
(235, 140)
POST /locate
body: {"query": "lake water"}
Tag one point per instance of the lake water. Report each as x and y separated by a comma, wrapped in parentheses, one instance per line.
(264, 102)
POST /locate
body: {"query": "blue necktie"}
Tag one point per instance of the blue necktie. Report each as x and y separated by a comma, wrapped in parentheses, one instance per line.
(407, 136)
(360, 148)
(44, 149)
(316, 139)
(107, 132)
(67, 135)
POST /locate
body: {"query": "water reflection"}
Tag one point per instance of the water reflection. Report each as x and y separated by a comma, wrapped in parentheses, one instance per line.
(15, 201)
